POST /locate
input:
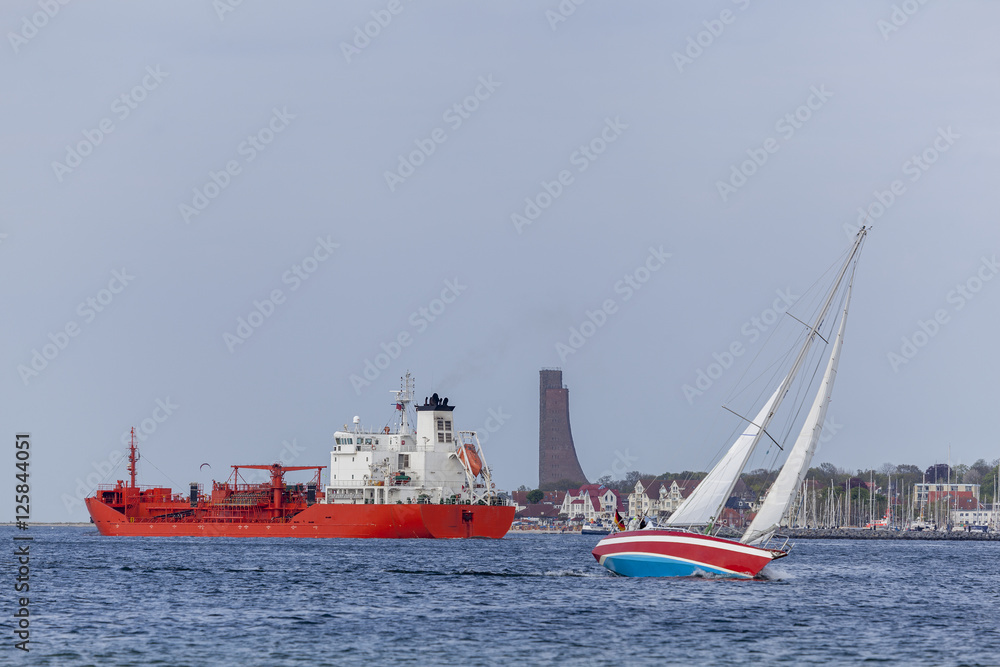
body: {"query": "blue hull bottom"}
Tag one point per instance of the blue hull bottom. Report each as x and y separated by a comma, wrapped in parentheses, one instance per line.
(639, 565)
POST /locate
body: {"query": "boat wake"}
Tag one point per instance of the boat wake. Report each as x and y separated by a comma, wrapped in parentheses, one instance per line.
(501, 574)
(774, 573)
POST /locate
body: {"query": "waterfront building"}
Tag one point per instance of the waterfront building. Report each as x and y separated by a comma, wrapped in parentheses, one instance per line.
(591, 502)
(957, 495)
(982, 515)
(520, 499)
(659, 498)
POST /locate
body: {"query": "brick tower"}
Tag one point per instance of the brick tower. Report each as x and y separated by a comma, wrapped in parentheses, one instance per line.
(556, 454)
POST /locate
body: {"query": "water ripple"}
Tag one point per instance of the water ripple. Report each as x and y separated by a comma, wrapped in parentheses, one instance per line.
(533, 599)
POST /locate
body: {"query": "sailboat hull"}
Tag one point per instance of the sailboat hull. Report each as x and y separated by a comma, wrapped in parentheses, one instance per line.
(672, 553)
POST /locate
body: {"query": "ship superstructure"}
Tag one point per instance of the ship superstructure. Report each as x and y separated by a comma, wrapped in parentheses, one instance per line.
(435, 464)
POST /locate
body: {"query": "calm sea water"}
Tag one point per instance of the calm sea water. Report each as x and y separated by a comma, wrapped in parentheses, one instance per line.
(538, 599)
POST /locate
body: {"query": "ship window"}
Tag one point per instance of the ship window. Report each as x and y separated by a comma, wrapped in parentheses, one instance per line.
(338, 440)
(447, 425)
(440, 424)
(447, 437)
(404, 460)
(440, 436)
(368, 441)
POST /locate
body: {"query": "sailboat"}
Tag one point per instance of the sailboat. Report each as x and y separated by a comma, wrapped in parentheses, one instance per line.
(684, 546)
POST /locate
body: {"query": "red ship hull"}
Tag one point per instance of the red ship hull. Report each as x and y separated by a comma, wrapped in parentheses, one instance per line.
(323, 520)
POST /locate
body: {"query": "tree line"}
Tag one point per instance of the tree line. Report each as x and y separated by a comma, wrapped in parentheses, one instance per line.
(827, 475)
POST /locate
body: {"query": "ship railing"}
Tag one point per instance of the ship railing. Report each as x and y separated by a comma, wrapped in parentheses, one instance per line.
(777, 543)
(342, 498)
(248, 487)
(348, 483)
(246, 499)
(143, 487)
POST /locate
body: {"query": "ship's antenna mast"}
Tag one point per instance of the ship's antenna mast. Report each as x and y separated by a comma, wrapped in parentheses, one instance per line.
(132, 458)
(404, 396)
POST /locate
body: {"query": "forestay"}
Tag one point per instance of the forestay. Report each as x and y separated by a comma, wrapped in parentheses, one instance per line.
(779, 498)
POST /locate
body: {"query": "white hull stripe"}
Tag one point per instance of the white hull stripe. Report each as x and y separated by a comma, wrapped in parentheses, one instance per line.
(695, 541)
(646, 554)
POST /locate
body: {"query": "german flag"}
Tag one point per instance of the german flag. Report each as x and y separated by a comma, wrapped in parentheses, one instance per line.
(619, 522)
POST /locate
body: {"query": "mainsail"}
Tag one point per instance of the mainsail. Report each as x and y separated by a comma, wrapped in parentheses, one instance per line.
(782, 492)
(705, 508)
(711, 494)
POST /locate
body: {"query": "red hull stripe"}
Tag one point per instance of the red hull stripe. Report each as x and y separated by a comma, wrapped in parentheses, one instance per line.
(682, 538)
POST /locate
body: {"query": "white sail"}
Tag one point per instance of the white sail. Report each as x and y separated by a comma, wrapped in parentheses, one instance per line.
(779, 498)
(708, 498)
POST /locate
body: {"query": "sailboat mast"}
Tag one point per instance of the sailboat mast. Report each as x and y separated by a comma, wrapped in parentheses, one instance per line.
(813, 332)
(871, 497)
(848, 500)
(786, 384)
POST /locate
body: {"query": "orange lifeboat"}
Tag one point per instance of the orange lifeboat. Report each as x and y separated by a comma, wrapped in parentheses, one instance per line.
(467, 454)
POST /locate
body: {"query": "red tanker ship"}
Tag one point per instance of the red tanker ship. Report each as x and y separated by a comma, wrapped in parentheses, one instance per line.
(395, 483)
